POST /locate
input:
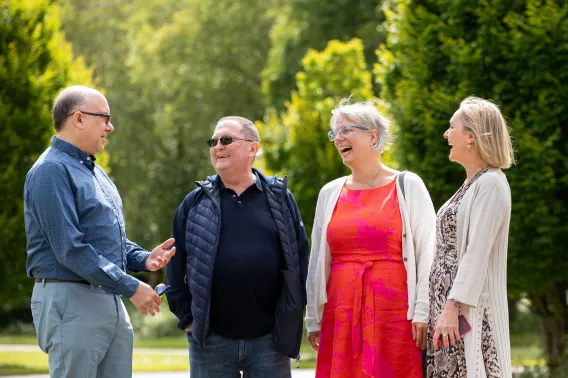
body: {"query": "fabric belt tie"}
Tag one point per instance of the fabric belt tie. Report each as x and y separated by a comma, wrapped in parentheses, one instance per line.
(363, 313)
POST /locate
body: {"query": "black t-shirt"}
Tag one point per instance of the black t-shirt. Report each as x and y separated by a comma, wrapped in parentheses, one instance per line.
(246, 278)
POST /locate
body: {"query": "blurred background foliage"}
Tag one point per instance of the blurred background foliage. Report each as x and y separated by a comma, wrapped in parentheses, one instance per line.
(170, 69)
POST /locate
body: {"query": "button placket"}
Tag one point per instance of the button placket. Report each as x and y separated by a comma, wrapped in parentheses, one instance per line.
(121, 226)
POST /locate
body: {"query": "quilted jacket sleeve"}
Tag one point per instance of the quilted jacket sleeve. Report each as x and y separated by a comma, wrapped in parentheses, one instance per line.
(303, 245)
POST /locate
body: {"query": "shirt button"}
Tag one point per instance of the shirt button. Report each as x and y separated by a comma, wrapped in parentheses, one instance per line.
(403, 235)
(234, 195)
(81, 161)
(405, 259)
(89, 158)
(239, 201)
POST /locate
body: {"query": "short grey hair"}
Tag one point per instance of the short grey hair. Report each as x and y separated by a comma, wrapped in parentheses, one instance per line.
(247, 127)
(68, 101)
(366, 114)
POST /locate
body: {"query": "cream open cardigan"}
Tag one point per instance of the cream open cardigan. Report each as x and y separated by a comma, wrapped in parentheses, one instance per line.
(419, 235)
(480, 284)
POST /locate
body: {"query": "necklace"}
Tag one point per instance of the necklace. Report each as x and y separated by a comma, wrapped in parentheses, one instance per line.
(370, 182)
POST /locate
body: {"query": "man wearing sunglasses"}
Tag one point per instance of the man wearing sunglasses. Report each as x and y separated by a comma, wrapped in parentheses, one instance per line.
(77, 248)
(237, 283)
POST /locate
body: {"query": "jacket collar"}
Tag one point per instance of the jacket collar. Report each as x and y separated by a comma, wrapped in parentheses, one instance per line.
(262, 182)
(257, 182)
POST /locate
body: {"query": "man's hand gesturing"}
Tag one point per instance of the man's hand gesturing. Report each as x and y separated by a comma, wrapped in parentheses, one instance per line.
(160, 256)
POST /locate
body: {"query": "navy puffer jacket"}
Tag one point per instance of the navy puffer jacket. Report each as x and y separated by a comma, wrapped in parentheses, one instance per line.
(197, 226)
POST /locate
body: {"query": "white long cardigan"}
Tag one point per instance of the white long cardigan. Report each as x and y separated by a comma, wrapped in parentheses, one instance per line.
(419, 234)
(480, 284)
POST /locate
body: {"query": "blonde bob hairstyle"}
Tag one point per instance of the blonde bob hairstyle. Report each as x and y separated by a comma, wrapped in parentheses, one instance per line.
(364, 114)
(484, 121)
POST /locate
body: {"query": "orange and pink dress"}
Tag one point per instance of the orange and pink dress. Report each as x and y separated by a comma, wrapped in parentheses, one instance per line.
(364, 331)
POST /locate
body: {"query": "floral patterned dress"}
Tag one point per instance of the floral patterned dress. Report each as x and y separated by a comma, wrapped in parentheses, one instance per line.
(451, 362)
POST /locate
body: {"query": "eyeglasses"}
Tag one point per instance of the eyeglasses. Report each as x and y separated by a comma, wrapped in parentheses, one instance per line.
(161, 288)
(106, 116)
(225, 140)
(344, 131)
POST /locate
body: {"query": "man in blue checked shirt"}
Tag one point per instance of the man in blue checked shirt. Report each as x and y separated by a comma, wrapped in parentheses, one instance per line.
(77, 248)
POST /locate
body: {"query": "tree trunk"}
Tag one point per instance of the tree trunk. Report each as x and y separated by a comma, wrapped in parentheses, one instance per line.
(512, 304)
(551, 308)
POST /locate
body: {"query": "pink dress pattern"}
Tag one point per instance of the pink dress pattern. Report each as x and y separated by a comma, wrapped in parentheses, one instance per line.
(364, 331)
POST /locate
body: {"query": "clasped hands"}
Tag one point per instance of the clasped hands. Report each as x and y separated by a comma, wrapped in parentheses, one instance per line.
(146, 300)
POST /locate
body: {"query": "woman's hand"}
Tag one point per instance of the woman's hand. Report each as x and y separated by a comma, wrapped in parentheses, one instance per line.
(419, 334)
(313, 338)
(447, 326)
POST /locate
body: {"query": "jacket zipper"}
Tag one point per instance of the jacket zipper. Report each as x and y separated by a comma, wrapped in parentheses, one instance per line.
(206, 325)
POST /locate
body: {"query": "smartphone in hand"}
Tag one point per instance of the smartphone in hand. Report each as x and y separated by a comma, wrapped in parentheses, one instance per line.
(161, 288)
(463, 328)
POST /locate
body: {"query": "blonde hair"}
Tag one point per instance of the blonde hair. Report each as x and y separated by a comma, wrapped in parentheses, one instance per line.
(366, 114)
(484, 121)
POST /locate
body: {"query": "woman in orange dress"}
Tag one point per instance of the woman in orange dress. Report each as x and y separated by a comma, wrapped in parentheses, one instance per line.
(372, 248)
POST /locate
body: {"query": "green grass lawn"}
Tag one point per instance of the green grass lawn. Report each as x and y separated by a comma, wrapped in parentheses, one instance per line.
(19, 339)
(36, 362)
(29, 362)
(165, 342)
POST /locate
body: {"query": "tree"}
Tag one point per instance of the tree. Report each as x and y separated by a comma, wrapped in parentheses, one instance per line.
(171, 70)
(301, 25)
(35, 64)
(295, 142)
(516, 53)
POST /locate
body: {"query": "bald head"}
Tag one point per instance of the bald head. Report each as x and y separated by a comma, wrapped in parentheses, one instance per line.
(69, 100)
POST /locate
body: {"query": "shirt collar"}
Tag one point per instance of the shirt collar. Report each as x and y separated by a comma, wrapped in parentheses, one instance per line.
(256, 182)
(83, 157)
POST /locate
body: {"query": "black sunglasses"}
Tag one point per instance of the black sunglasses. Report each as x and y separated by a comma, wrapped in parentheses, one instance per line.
(161, 288)
(106, 116)
(225, 140)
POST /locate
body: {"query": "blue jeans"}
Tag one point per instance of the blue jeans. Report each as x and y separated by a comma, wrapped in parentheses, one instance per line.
(226, 358)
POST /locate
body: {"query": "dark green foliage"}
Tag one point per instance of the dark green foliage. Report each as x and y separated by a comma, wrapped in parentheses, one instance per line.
(170, 70)
(515, 53)
(304, 24)
(35, 63)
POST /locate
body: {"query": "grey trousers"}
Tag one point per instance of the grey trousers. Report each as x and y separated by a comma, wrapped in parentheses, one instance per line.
(85, 331)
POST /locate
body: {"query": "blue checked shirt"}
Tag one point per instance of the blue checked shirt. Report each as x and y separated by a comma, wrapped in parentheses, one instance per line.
(74, 223)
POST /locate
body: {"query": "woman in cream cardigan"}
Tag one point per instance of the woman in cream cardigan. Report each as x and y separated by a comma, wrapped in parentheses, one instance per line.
(469, 272)
(372, 248)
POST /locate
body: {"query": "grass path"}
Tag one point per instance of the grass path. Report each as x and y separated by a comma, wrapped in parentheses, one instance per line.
(168, 355)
